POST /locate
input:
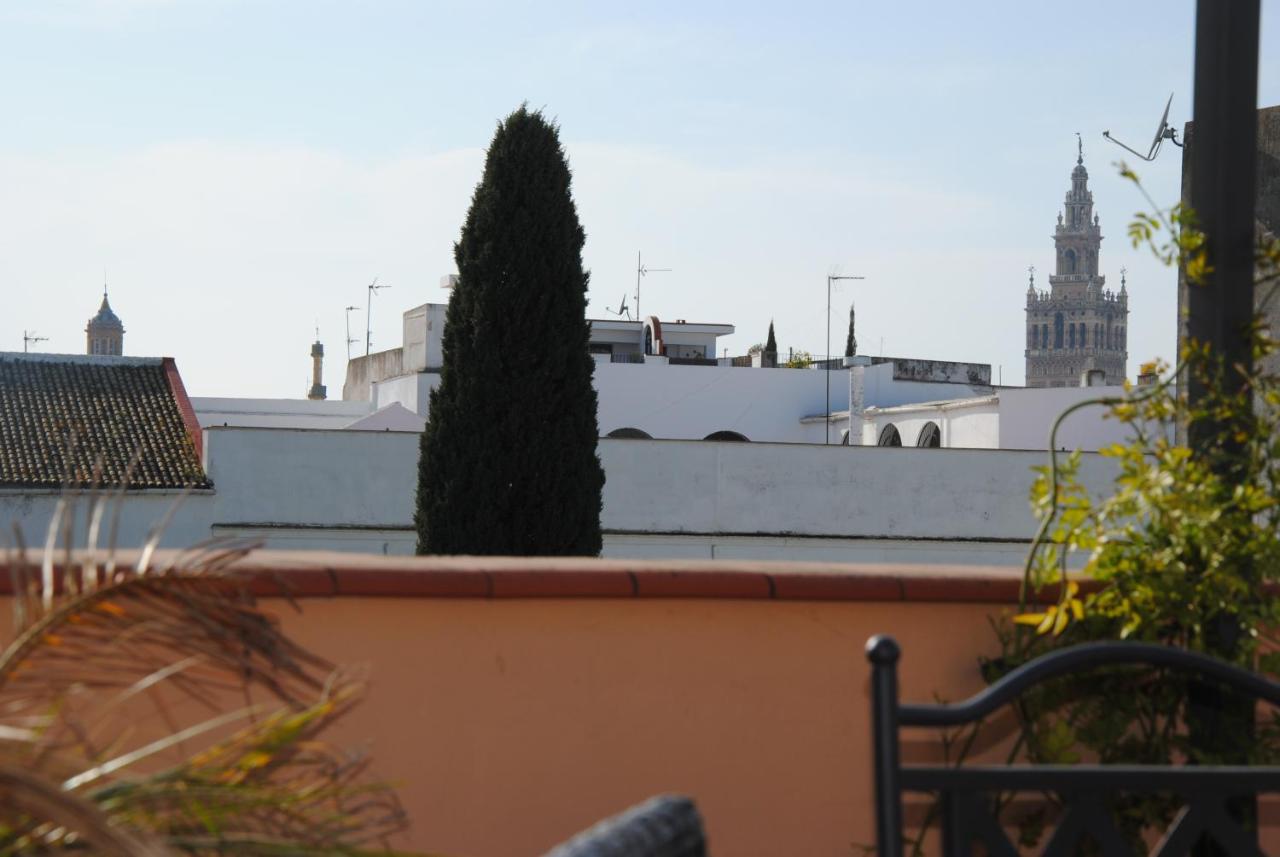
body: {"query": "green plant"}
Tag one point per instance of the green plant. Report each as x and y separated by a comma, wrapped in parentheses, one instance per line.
(799, 360)
(508, 460)
(1183, 551)
(851, 339)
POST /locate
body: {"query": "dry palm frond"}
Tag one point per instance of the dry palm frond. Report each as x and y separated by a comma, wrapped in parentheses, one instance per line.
(169, 703)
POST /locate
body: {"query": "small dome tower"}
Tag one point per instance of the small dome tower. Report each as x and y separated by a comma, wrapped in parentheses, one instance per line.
(105, 332)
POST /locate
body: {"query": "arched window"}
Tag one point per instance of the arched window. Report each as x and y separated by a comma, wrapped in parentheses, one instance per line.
(630, 434)
(930, 436)
(727, 435)
(1057, 330)
(1069, 261)
(889, 436)
(1044, 336)
(1071, 339)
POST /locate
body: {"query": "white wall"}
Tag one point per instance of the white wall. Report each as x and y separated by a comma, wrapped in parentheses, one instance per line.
(1027, 414)
(1018, 419)
(691, 402)
(411, 391)
(277, 413)
(974, 426)
(33, 510)
(862, 492)
(354, 491)
(312, 478)
(880, 389)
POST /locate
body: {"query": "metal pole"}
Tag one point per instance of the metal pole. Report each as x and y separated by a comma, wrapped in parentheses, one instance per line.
(883, 652)
(368, 319)
(1223, 196)
(349, 339)
(827, 420)
(1223, 160)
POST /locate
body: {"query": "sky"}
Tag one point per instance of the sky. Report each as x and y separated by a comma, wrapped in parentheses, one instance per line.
(240, 170)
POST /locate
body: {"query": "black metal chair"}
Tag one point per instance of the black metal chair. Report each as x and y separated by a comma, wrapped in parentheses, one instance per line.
(965, 792)
(664, 826)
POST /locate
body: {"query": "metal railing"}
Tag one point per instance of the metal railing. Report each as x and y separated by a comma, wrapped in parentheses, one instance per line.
(965, 793)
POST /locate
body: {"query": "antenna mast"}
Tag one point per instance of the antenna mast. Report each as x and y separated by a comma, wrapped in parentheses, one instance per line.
(29, 338)
(368, 321)
(350, 340)
(641, 271)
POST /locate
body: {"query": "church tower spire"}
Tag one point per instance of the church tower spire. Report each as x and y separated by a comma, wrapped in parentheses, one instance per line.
(1078, 326)
(105, 332)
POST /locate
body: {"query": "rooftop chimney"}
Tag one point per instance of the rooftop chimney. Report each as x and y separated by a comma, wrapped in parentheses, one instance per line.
(317, 392)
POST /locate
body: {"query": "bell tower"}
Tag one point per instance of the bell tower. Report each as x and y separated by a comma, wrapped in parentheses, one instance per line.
(104, 334)
(1078, 326)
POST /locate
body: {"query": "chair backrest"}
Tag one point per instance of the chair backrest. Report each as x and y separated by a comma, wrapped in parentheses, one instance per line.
(964, 792)
(663, 826)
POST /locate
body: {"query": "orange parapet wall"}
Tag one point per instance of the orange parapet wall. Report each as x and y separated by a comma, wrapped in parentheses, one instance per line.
(516, 701)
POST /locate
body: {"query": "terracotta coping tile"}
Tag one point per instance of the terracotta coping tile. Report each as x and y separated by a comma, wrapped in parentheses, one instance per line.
(725, 582)
(560, 583)
(800, 585)
(316, 574)
(440, 583)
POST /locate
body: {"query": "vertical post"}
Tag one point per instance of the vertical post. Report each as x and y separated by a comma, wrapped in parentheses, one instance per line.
(639, 271)
(368, 319)
(883, 652)
(1223, 192)
(830, 279)
(826, 422)
(1223, 196)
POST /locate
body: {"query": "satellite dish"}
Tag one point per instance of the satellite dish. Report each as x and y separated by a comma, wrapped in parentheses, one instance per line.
(622, 309)
(1163, 132)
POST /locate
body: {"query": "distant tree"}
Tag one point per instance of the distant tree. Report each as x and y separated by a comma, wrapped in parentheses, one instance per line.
(508, 459)
(851, 341)
(770, 348)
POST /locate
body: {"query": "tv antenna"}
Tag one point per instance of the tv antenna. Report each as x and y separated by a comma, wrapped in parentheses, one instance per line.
(1163, 132)
(350, 340)
(368, 320)
(622, 309)
(642, 271)
(29, 338)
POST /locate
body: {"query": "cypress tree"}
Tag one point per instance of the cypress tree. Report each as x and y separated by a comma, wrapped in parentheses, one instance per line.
(771, 343)
(508, 462)
(851, 341)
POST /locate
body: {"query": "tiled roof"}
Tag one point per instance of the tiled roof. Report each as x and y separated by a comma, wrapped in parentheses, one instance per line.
(113, 405)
